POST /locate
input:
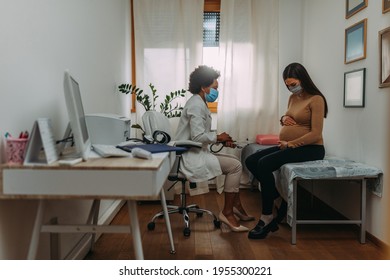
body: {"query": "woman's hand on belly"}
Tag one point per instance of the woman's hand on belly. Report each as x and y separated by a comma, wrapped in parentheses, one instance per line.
(288, 121)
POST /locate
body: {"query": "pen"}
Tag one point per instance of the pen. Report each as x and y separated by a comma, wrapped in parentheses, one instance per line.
(23, 135)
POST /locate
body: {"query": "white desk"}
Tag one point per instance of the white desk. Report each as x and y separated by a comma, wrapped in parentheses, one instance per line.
(128, 179)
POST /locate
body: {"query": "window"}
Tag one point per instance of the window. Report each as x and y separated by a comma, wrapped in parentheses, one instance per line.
(211, 25)
(211, 38)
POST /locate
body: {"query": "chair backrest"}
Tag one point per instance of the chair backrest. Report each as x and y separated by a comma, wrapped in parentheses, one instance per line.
(153, 120)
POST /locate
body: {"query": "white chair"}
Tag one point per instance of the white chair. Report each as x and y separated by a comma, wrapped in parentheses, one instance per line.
(154, 121)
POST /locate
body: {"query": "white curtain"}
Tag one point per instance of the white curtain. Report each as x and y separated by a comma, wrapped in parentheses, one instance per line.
(168, 44)
(248, 103)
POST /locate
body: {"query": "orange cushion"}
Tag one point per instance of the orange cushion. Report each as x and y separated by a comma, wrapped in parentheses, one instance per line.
(267, 139)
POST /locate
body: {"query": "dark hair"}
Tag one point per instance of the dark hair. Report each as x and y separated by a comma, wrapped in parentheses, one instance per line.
(202, 76)
(297, 71)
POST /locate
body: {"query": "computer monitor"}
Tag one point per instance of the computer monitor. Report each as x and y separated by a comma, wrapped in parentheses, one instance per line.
(76, 115)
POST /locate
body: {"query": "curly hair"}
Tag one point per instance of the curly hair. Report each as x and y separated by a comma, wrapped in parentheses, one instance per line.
(202, 76)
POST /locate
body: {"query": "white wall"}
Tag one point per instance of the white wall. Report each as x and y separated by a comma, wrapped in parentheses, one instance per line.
(359, 134)
(39, 40)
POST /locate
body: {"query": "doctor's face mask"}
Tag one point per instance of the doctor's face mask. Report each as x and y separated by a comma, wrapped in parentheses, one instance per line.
(213, 93)
(212, 96)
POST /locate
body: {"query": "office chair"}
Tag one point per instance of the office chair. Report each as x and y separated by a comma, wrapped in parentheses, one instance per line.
(154, 121)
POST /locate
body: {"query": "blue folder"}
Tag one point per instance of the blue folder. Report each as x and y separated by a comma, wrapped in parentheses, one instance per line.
(154, 148)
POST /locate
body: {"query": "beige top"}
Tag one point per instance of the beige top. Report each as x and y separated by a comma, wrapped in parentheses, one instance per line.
(308, 112)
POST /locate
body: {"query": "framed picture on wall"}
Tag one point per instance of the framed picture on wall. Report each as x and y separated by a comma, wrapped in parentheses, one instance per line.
(385, 6)
(354, 6)
(356, 42)
(384, 57)
(354, 88)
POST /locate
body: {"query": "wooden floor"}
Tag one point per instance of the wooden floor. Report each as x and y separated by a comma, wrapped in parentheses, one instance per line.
(314, 242)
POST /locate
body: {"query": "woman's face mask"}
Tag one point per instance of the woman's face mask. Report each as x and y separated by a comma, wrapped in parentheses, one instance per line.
(212, 96)
(293, 85)
(295, 89)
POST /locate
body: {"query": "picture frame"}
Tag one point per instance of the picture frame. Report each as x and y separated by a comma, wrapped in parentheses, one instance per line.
(385, 6)
(354, 6)
(384, 58)
(354, 88)
(356, 42)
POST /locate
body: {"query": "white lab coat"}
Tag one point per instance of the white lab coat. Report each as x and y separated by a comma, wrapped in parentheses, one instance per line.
(198, 164)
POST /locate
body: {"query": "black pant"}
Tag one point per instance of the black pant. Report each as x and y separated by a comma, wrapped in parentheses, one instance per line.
(263, 163)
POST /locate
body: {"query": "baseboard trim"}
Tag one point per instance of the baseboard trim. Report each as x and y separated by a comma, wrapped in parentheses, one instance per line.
(382, 245)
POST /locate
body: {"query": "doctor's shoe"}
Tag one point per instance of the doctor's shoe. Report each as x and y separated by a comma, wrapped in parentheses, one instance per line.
(241, 216)
(224, 220)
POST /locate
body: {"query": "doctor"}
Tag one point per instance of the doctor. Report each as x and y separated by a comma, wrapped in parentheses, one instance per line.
(200, 165)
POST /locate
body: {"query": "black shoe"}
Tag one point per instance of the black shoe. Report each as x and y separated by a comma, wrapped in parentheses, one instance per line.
(281, 212)
(261, 230)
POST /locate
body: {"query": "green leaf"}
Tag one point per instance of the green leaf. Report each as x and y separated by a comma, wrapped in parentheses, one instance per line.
(137, 126)
(149, 101)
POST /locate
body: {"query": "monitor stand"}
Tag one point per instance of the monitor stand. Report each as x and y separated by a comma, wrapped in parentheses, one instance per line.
(65, 143)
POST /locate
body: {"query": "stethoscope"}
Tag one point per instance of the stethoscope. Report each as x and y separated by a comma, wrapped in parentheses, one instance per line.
(158, 137)
(218, 146)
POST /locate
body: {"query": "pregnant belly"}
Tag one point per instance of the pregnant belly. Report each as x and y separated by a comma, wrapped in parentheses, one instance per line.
(289, 133)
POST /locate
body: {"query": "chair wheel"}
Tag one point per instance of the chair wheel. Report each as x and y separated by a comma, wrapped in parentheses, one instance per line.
(151, 226)
(187, 232)
(217, 223)
(199, 215)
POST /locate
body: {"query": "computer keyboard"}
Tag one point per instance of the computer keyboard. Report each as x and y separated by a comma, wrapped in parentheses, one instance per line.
(109, 151)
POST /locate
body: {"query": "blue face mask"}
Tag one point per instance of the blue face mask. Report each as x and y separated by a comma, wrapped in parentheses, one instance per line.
(212, 96)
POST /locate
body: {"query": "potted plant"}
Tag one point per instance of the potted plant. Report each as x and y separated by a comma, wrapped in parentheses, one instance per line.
(149, 101)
